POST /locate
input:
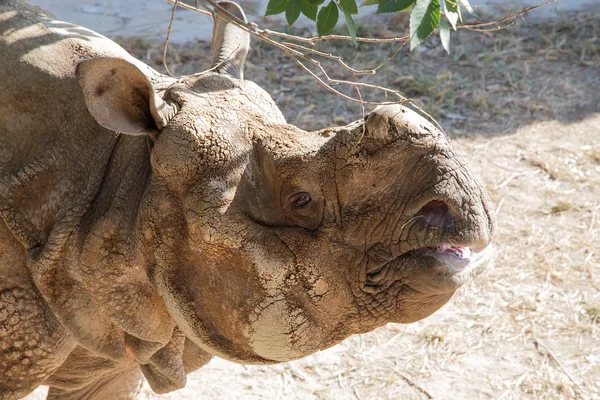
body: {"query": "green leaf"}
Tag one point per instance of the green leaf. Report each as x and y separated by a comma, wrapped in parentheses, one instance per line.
(424, 18)
(275, 7)
(452, 12)
(327, 18)
(390, 6)
(349, 6)
(467, 6)
(445, 34)
(370, 2)
(308, 10)
(315, 3)
(351, 27)
(292, 11)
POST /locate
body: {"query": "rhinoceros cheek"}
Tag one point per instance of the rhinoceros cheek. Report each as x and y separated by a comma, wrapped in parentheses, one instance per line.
(210, 295)
(281, 333)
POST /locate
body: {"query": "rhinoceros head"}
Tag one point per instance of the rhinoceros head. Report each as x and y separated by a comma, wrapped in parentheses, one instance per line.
(268, 243)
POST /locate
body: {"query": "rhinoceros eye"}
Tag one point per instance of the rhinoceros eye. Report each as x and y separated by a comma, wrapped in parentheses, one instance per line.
(301, 200)
(304, 210)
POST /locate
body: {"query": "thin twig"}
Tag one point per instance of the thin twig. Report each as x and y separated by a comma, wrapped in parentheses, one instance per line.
(499, 207)
(412, 383)
(164, 59)
(583, 391)
(362, 106)
(356, 393)
(314, 39)
(498, 28)
(390, 58)
(509, 18)
(337, 92)
(330, 81)
(333, 57)
(188, 7)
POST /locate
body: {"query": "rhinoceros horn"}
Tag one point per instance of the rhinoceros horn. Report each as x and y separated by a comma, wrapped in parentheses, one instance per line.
(230, 43)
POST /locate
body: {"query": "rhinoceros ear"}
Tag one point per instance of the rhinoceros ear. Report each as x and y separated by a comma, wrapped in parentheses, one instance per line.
(230, 44)
(120, 97)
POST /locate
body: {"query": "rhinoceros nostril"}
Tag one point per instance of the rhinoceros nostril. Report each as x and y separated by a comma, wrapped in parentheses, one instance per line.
(434, 206)
(435, 213)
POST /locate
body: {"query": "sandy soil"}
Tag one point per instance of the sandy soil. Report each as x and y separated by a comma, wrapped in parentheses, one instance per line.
(523, 105)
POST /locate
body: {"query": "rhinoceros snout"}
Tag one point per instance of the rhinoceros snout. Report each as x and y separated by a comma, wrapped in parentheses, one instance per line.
(450, 225)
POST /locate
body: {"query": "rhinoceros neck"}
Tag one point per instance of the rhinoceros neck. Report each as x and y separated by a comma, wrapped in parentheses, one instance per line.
(114, 208)
(72, 203)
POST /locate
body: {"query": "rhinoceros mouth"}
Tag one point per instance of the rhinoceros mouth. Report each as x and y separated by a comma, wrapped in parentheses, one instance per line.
(444, 268)
(455, 257)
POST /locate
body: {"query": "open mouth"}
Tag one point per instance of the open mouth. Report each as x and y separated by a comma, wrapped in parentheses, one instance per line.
(444, 268)
(459, 262)
(455, 257)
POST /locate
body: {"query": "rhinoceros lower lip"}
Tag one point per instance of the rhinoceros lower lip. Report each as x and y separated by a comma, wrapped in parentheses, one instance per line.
(444, 268)
(456, 258)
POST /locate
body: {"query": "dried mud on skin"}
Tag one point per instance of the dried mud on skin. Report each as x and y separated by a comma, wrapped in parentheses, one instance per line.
(523, 105)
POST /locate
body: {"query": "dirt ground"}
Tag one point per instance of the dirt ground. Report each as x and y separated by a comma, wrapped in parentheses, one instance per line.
(524, 105)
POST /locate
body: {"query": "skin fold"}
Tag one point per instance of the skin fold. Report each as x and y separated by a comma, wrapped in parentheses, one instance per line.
(149, 223)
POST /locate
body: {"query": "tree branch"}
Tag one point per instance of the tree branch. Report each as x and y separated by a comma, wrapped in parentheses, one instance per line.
(300, 50)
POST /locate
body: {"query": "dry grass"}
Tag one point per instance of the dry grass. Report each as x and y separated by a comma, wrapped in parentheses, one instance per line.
(527, 328)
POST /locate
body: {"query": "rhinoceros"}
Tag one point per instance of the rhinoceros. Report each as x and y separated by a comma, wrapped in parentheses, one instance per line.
(149, 223)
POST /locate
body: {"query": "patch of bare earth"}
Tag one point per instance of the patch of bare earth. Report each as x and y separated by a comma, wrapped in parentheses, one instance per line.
(524, 104)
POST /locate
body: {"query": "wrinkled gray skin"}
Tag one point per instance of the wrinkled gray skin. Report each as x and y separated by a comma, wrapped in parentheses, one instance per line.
(208, 226)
